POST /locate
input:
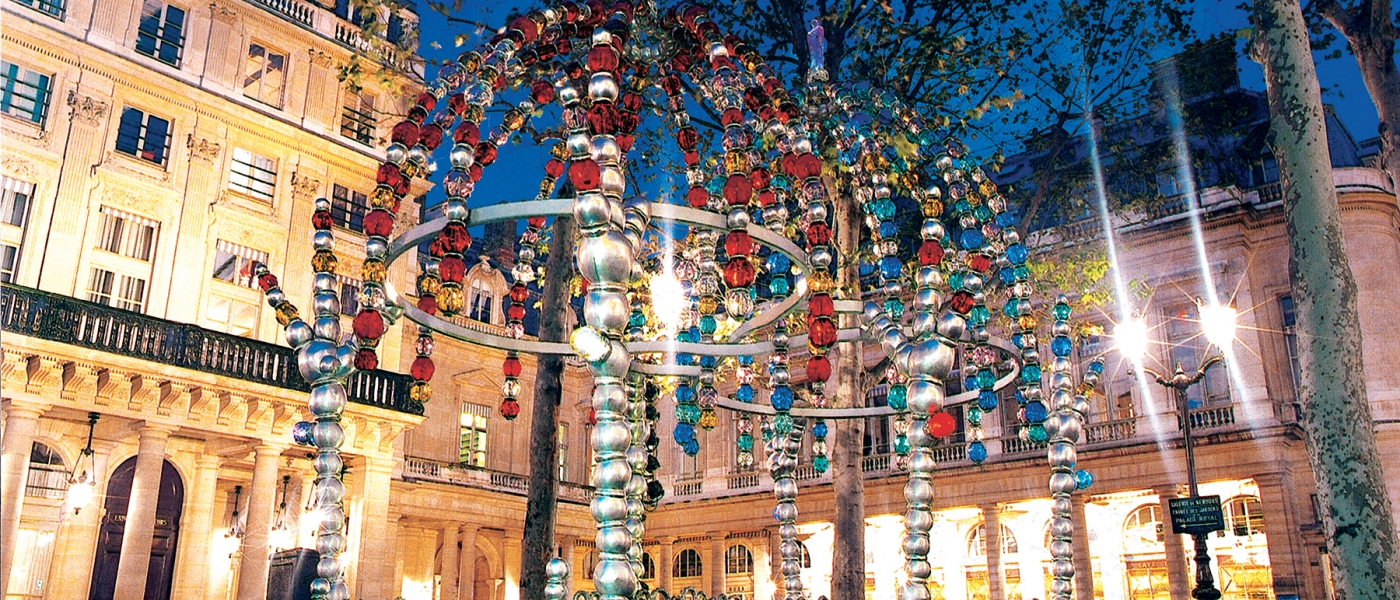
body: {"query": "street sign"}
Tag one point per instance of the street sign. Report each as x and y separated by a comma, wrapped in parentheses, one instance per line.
(1196, 515)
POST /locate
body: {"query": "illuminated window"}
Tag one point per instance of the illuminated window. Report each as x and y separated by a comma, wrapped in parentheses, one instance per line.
(1244, 516)
(1142, 531)
(357, 117)
(24, 93)
(482, 302)
(253, 174)
(473, 438)
(48, 477)
(265, 74)
(738, 560)
(348, 208)
(977, 541)
(122, 291)
(232, 316)
(687, 564)
(349, 295)
(234, 263)
(648, 566)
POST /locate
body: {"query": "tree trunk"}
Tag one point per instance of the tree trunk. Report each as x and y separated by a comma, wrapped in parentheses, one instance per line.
(848, 558)
(1336, 417)
(1370, 31)
(537, 547)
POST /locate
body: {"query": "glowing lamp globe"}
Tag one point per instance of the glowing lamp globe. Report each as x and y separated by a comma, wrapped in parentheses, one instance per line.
(1131, 338)
(667, 299)
(80, 494)
(1218, 323)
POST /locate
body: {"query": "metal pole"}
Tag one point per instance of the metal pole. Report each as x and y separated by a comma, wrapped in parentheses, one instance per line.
(1205, 580)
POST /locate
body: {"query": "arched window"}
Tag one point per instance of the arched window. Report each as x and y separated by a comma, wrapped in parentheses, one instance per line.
(590, 563)
(48, 477)
(481, 301)
(648, 566)
(1244, 515)
(1142, 531)
(806, 556)
(687, 564)
(738, 560)
(977, 541)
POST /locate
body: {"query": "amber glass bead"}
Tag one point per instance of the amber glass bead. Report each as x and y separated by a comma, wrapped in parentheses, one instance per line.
(286, 313)
(375, 270)
(420, 391)
(450, 299)
(324, 261)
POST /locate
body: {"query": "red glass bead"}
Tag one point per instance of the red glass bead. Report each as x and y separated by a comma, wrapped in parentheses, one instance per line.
(602, 58)
(930, 253)
(604, 118)
(809, 165)
(789, 164)
(365, 360)
(389, 174)
(322, 220)
(451, 269)
(592, 416)
(766, 198)
(979, 262)
(739, 272)
(455, 237)
(430, 136)
(475, 171)
(737, 190)
(467, 133)
(564, 47)
(772, 83)
(542, 92)
(519, 293)
(511, 367)
(625, 140)
(962, 301)
(406, 133)
(422, 369)
(538, 222)
(731, 116)
(721, 62)
(368, 325)
(818, 369)
(379, 223)
(941, 424)
(671, 84)
(573, 70)
(427, 101)
(510, 409)
(697, 197)
(267, 281)
(436, 249)
(755, 98)
(631, 101)
(687, 138)
(821, 305)
(818, 234)
(821, 333)
(526, 27)
(428, 304)
(516, 312)
(485, 153)
(457, 103)
(738, 243)
(417, 114)
(760, 178)
(585, 174)
(692, 157)
(554, 168)
(767, 113)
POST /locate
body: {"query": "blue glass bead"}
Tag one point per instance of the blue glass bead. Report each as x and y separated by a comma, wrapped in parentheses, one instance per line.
(683, 358)
(821, 463)
(1020, 397)
(898, 397)
(782, 424)
(1018, 340)
(976, 452)
(684, 393)
(683, 433)
(744, 393)
(1005, 219)
(1030, 374)
(708, 324)
(901, 444)
(708, 362)
(1008, 276)
(971, 239)
(819, 430)
(691, 447)
(889, 229)
(1037, 433)
(1061, 345)
(1011, 308)
(890, 267)
(781, 399)
(895, 307)
(746, 359)
(987, 400)
(779, 262)
(1035, 411)
(1016, 253)
(986, 379)
(1061, 311)
(1083, 479)
(970, 382)
(746, 442)
(1096, 366)
(866, 268)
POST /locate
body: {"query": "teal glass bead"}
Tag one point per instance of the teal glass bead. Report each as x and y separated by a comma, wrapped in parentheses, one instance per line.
(901, 444)
(821, 463)
(979, 315)
(1037, 433)
(746, 442)
(1030, 374)
(637, 320)
(986, 379)
(782, 424)
(895, 307)
(1061, 308)
(898, 397)
(974, 415)
(708, 324)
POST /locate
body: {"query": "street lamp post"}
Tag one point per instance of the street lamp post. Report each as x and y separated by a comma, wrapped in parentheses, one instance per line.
(1179, 382)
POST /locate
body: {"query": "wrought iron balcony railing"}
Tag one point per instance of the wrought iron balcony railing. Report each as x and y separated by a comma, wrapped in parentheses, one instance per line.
(423, 469)
(58, 318)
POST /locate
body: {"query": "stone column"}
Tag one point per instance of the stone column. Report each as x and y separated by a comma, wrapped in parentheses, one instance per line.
(21, 423)
(762, 575)
(76, 545)
(466, 569)
(991, 520)
(262, 502)
(715, 566)
(1178, 575)
(775, 561)
(450, 560)
(510, 545)
(375, 565)
(1083, 555)
(141, 513)
(1286, 559)
(566, 552)
(663, 570)
(196, 530)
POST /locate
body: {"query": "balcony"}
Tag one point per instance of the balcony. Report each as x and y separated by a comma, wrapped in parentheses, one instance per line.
(67, 320)
(330, 25)
(743, 481)
(1110, 431)
(1210, 417)
(422, 469)
(688, 488)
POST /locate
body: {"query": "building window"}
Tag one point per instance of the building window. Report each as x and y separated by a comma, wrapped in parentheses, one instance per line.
(161, 34)
(1264, 171)
(806, 556)
(348, 208)
(349, 296)
(394, 31)
(1167, 185)
(15, 196)
(1290, 341)
(53, 8)
(877, 431)
(1189, 348)
(482, 302)
(48, 477)
(127, 234)
(1244, 516)
(738, 560)
(25, 94)
(357, 117)
(474, 420)
(563, 451)
(144, 136)
(977, 541)
(1142, 531)
(265, 75)
(9, 262)
(648, 566)
(122, 291)
(253, 174)
(232, 316)
(687, 564)
(234, 263)
(590, 564)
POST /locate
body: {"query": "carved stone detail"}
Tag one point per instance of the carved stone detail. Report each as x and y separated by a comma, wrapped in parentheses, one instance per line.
(203, 150)
(87, 110)
(80, 381)
(320, 59)
(222, 10)
(304, 187)
(44, 376)
(18, 167)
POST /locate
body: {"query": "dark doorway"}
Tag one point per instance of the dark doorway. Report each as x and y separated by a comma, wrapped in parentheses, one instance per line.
(109, 541)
